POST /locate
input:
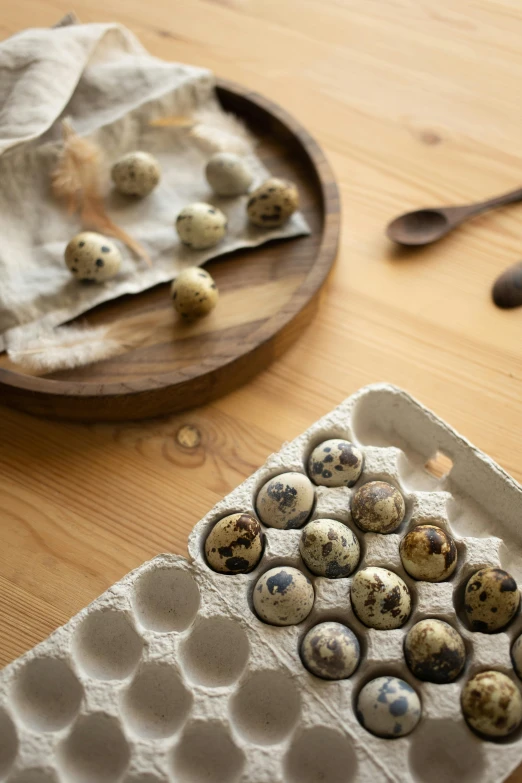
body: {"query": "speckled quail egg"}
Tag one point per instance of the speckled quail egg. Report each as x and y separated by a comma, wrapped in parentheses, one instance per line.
(388, 707)
(329, 548)
(283, 596)
(377, 507)
(194, 293)
(380, 598)
(136, 174)
(428, 553)
(91, 256)
(335, 463)
(491, 599)
(272, 203)
(285, 501)
(235, 544)
(331, 651)
(228, 174)
(434, 651)
(516, 655)
(201, 226)
(492, 704)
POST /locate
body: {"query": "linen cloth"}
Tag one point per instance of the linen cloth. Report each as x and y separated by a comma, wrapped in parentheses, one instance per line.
(102, 79)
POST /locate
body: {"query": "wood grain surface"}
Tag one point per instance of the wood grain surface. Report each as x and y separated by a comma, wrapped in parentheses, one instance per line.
(267, 296)
(415, 103)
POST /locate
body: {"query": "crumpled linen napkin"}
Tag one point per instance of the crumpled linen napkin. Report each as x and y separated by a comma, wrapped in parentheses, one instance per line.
(100, 77)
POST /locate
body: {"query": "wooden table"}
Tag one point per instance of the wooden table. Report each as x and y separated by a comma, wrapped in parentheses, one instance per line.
(415, 103)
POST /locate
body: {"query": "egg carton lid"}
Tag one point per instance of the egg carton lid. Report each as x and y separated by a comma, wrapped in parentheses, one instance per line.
(169, 675)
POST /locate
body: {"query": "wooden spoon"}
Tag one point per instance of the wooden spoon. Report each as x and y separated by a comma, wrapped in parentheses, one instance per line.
(507, 289)
(427, 225)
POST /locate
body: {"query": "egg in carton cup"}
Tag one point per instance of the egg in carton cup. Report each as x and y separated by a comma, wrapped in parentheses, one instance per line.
(254, 661)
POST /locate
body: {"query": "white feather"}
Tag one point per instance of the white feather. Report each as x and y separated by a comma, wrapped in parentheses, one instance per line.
(63, 348)
(221, 133)
(48, 350)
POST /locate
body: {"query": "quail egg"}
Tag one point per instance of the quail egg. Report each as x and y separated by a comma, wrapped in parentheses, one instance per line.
(272, 203)
(492, 704)
(516, 655)
(331, 651)
(285, 501)
(235, 544)
(201, 226)
(434, 651)
(194, 293)
(388, 707)
(228, 174)
(380, 598)
(377, 507)
(428, 553)
(91, 256)
(335, 463)
(283, 596)
(136, 174)
(491, 599)
(329, 548)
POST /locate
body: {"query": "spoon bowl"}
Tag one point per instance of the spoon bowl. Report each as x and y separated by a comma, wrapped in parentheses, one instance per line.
(419, 228)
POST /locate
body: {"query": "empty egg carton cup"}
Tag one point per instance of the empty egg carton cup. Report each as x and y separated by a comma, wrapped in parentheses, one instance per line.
(171, 676)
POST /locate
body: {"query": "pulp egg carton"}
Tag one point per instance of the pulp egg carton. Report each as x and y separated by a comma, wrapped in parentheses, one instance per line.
(170, 676)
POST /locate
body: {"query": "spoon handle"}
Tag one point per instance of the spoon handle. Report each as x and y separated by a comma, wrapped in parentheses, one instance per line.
(496, 201)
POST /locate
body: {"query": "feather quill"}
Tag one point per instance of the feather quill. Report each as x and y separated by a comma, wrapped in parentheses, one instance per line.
(75, 181)
(172, 122)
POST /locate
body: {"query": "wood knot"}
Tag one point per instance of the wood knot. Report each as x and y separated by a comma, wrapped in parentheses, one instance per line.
(188, 436)
(430, 137)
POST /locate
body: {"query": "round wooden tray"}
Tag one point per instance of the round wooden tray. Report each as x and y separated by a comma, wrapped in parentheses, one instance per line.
(268, 295)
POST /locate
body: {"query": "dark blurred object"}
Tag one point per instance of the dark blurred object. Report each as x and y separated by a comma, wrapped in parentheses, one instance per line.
(507, 289)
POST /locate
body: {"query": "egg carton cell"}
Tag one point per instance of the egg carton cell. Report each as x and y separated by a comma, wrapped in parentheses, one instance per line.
(95, 749)
(106, 646)
(175, 675)
(156, 702)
